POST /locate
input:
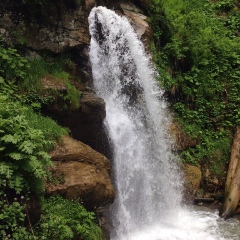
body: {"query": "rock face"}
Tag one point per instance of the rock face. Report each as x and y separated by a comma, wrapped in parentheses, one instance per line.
(80, 172)
(56, 26)
(196, 178)
(212, 183)
(138, 21)
(182, 140)
(86, 122)
(192, 181)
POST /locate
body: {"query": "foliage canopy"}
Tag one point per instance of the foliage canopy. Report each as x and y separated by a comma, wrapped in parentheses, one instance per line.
(197, 51)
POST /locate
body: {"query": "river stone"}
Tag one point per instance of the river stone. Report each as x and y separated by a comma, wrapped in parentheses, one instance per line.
(80, 172)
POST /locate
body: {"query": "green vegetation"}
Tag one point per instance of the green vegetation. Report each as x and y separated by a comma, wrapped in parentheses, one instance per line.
(197, 51)
(12, 219)
(42, 66)
(28, 75)
(13, 66)
(24, 159)
(63, 219)
(52, 70)
(26, 137)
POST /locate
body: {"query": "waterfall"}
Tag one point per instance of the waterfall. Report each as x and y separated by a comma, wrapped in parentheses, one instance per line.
(146, 175)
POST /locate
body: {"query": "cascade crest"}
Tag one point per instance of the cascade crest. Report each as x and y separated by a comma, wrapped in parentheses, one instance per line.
(147, 181)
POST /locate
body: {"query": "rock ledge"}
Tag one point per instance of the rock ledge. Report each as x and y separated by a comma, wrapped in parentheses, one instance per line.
(80, 172)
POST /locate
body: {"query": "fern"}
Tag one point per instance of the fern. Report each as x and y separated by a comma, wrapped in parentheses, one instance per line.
(6, 170)
(24, 159)
(16, 156)
(10, 139)
(27, 147)
(16, 182)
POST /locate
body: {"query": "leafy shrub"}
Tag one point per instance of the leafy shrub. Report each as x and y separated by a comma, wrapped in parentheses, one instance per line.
(27, 75)
(24, 159)
(36, 100)
(13, 66)
(199, 67)
(224, 4)
(25, 139)
(64, 219)
(12, 218)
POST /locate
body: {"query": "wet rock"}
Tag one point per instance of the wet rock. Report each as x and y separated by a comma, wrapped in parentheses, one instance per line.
(203, 200)
(142, 3)
(238, 210)
(93, 107)
(90, 4)
(218, 196)
(80, 172)
(212, 183)
(55, 84)
(182, 140)
(86, 122)
(138, 22)
(103, 222)
(32, 55)
(192, 180)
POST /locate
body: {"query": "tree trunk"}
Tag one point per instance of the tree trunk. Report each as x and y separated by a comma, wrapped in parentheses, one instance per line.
(232, 187)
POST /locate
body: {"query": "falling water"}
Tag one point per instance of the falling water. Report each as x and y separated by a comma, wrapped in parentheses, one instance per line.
(146, 175)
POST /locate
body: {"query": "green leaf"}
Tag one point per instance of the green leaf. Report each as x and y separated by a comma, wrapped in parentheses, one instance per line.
(16, 156)
(17, 183)
(9, 139)
(27, 147)
(6, 170)
(1, 80)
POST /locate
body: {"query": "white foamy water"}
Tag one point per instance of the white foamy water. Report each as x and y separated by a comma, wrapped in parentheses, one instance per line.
(146, 176)
(191, 224)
